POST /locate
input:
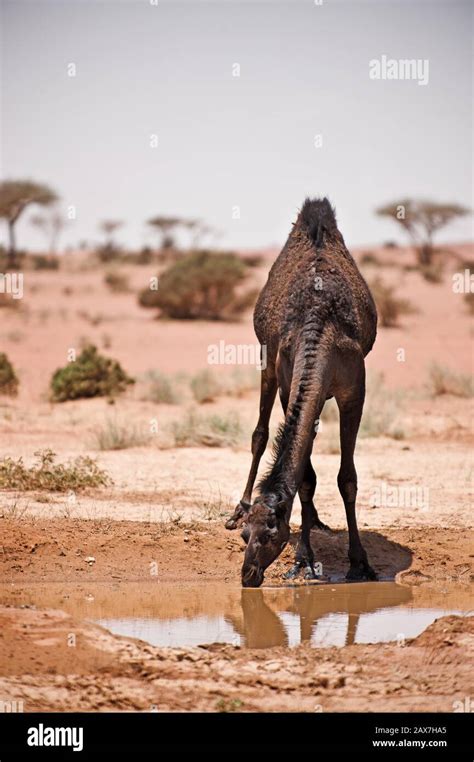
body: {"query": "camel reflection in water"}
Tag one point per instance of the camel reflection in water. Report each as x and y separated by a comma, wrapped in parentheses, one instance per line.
(260, 625)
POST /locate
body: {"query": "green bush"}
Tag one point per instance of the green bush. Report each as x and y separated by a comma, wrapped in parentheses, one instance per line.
(202, 286)
(91, 375)
(45, 474)
(8, 378)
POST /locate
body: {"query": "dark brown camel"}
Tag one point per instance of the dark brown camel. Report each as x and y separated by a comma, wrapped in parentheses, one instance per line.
(318, 321)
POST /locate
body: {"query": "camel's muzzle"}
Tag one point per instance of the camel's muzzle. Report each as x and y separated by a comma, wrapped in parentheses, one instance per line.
(252, 576)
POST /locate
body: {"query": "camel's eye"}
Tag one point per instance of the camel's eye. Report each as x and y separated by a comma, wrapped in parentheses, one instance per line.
(245, 534)
(264, 538)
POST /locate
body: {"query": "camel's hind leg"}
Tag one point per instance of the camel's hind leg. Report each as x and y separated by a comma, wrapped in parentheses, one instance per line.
(351, 403)
(268, 387)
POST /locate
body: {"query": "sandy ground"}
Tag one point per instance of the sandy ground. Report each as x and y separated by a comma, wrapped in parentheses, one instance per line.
(425, 478)
(167, 505)
(107, 672)
(103, 671)
(55, 550)
(110, 673)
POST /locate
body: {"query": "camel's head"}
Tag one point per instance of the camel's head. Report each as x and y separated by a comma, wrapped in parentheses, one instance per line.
(266, 532)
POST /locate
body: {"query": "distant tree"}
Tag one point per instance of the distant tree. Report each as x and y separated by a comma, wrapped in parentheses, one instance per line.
(109, 227)
(166, 226)
(199, 231)
(51, 225)
(195, 228)
(15, 197)
(421, 220)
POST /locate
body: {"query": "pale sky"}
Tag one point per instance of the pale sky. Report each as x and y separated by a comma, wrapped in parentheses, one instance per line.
(226, 141)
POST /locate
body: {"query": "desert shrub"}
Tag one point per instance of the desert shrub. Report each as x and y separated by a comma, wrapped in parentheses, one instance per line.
(469, 299)
(241, 381)
(254, 260)
(381, 410)
(201, 285)
(432, 272)
(16, 337)
(442, 380)
(90, 375)
(117, 282)
(116, 435)
(160, 389)
(389, 306)
(45, 474)
(93, 319)
(369, 258)
(44, 262)
(108, 253)
(8, 377)
(211, 431)
(8, 302)
(144, 256)
(205, 386)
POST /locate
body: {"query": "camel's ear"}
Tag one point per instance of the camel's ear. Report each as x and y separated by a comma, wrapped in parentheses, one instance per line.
(238, 516)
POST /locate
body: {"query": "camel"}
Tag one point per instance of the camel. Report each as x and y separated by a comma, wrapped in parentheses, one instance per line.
(317, 320)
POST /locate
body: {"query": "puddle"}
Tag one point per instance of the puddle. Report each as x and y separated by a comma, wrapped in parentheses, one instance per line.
(191, 615)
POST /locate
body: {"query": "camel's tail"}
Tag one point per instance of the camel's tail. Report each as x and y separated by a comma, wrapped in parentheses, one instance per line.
(309, 388)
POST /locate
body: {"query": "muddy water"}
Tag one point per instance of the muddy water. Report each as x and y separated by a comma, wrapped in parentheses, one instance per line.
(190, 615)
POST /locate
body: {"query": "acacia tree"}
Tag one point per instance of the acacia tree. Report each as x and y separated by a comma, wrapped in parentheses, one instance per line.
(165, 226)
(421, 220)
(199, 230)
(52, 226)
(15, 197)
(108, 227)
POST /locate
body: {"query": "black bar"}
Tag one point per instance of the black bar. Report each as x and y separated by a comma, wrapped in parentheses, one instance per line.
(443, 735)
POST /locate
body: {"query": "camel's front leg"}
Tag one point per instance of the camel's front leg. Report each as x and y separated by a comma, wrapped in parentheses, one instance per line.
(304, 558)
